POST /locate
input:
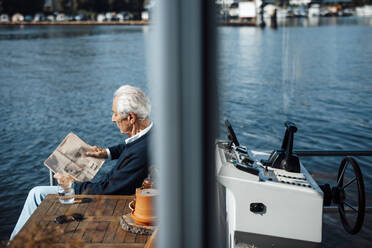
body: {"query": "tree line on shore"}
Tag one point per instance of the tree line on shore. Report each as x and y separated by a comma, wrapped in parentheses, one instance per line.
(71, 6)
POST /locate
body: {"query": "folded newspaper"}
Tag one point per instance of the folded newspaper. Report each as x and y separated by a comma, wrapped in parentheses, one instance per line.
(70, 158)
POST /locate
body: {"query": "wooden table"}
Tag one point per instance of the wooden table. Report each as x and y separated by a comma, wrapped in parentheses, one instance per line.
(100, 228)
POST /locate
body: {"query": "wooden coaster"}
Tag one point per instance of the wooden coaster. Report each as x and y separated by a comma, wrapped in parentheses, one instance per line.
(128, 224)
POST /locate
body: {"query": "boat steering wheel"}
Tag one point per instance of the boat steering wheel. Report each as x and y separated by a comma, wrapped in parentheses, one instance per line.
(340, 196)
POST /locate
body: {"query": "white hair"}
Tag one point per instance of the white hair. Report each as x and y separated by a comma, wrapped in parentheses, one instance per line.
(132, 99)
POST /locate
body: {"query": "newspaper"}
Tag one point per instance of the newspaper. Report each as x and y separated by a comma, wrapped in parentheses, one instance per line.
(70, 158)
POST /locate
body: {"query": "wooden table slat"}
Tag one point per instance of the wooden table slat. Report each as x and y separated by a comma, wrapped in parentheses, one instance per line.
(53, 209)
(34, 219)
(86, 218)
(80, 230)
(100, 209)
(63, 209)
(92, 206)
(100, 232)
(68, 232)
(130, 237)
(44, 225)
(90, 232)
(110, 207)
(141, 238)
(130, 245)
(111, 232)
(120, 207)
(120, 235)
(70, 227)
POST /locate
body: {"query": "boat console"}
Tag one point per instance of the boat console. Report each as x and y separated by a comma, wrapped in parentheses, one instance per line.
(265, 203)
(269, 199)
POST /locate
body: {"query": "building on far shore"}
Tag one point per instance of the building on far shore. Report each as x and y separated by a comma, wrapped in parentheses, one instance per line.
(17, 17)
(364, 10)
(300, 2)
(39, 17)
(148, 10)
(100, 17)
(4, 18)
(50, 18)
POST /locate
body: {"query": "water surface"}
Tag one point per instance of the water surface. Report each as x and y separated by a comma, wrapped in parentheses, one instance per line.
(318, 76)
(58, 79)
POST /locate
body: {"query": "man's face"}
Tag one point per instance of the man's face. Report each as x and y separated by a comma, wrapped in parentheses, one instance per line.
(124, 124)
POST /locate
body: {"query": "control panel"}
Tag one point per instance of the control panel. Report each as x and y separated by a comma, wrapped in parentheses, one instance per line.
(251, 162)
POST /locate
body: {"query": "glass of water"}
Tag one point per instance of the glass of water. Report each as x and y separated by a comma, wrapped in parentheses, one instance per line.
(66, 194)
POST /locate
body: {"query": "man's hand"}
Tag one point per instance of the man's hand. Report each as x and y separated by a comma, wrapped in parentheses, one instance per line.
(64, 180)
(97, 152)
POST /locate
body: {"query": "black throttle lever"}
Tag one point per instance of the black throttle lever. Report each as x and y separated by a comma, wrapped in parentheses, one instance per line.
(284, 158)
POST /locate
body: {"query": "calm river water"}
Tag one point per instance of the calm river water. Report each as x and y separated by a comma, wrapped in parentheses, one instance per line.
(57, 79)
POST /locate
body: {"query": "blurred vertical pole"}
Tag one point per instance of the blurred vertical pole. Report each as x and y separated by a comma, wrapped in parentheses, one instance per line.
(184, 98)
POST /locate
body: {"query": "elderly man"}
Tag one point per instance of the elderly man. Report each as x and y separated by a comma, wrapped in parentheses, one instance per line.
(131, 109)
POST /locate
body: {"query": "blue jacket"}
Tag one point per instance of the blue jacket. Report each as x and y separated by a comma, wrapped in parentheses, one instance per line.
(127, 175)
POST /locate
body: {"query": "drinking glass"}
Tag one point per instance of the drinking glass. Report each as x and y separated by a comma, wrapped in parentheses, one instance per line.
(66, 194)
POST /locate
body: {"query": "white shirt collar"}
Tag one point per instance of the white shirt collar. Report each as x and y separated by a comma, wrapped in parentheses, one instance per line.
(138, 135)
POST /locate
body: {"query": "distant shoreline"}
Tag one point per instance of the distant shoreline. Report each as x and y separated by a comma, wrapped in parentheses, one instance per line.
(124, 23)
(128, 23)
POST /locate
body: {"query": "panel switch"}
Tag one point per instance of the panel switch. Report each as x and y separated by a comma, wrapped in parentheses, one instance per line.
(257, 207)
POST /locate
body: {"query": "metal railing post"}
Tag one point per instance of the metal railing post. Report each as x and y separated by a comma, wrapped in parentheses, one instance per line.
(51, 179)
